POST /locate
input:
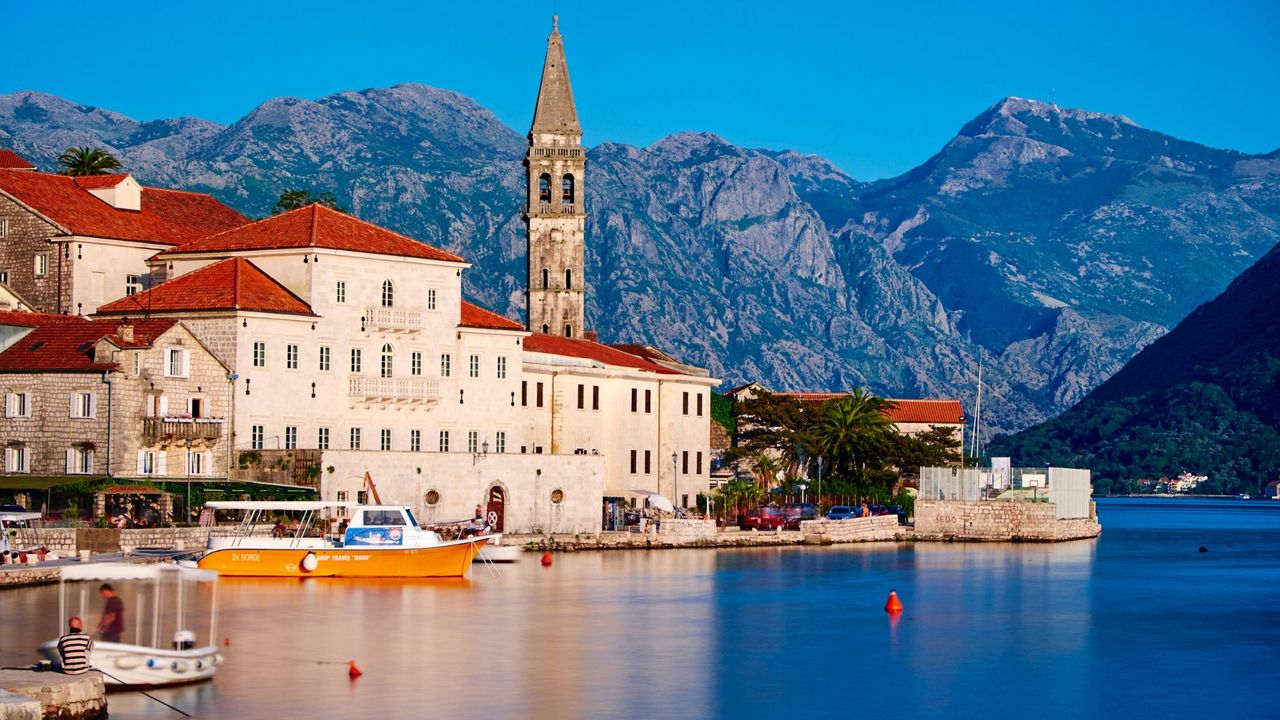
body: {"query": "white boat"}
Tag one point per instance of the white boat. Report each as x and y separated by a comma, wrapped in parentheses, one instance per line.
(496, 552)
(148, 589)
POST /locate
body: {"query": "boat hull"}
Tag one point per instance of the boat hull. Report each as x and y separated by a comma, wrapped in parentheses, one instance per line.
(444, 560)
(138, 667)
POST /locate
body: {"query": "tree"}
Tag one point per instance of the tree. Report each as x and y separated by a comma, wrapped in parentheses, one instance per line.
(935, 447)
(738, 495)
(776, 423)
(765, 468)
(853, 434)
(294, 199)
(79, 161)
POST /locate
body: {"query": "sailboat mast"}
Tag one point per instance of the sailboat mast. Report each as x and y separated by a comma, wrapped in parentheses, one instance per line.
(977, 424)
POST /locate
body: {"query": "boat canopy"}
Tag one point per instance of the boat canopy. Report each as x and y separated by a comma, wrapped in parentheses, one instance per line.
(134, 571)
(19, 516)
(292, 505)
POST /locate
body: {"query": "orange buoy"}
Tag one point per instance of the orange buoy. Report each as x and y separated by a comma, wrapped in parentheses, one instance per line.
(546, 559)
(353, 672)
(893, 604)
(227, 642)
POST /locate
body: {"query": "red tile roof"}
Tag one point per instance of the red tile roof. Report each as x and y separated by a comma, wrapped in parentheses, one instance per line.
(940, 412)
(315, 226)
(22, 317)
(100, 181)
(478, 317)
(167, 217)
(586, 349)
(231, 284)
(66, 343)
(10, 160)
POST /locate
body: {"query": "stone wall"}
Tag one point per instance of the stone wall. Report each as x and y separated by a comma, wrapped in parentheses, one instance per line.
(689, 528)
(189, 538)
(69, 541)
(27, 235)
(999, 521)
(868, 529)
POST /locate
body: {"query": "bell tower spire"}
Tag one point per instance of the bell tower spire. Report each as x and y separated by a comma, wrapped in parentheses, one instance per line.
(555, 215)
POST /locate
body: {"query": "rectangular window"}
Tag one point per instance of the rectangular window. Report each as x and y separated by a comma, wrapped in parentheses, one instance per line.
(633, 462)
(80, 460)
(4, 227)
(473, 441)
(15, 459)
(42, 264)
(196, 463)
(256, 434)
(290, 437)
(415, 440)
(524, 393)
(83, 405)
(699, 404)
(648, 401)
(341, 291)
(444, 441)
(684, 465)
(500, 441)
(582, 396)
(415, 363)
(177, 363)
(473, 366)
(431, 298)
(355, 438)
(446, 365)
(502, 367)
(325, 357)
(635, 394)
(698, 468)
(259, 354)
(595, 397)
(684, 408)
(322, 438)
(357, 360)
(132, 284)
(17, 405)
(538, 394)
(147, 462)
(291, 357)
(384, 439)
(648, 467)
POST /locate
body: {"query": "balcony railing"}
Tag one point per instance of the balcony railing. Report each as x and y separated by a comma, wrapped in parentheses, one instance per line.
(562, 208)
(569, 152)
(377, 389)
(181, 428)
(394, 320)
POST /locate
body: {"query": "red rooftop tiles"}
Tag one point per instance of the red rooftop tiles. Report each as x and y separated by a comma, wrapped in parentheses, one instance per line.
(475, 316)
(315, 226)
(586, 349)
(903, 411)
(10, 160)
(66, 343)
(231, 284)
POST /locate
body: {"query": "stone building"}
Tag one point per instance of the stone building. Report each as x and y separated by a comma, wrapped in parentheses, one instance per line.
(909, 416)
(69, 244)
(137, 399)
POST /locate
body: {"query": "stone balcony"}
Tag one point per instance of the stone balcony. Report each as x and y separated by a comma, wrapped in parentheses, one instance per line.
(557, 209)
(158, 429)
(393, 390)
(386, 319)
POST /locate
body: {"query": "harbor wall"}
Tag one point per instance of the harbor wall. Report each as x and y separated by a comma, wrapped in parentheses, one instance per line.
(850, 530)
(64, 697)
(69, 541)
(996, 521)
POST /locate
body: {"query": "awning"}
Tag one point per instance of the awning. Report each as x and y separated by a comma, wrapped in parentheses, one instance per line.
(39, 482)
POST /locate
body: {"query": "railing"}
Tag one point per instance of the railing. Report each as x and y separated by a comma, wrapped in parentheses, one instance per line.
(393, 389)
(562, 209)
(383, 318)
(181, 428)
(1068, 488)
(570, 152)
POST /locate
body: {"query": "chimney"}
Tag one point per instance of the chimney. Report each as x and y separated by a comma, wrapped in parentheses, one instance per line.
(590, 336)
(125, 331)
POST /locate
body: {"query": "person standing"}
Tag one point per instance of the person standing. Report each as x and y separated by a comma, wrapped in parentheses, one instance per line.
(74, 648)
(111, 626)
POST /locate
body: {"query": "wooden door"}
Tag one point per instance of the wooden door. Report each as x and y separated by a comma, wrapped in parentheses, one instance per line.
(495, 510)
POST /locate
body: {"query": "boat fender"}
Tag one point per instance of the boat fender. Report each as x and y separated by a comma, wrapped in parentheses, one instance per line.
(153, 663)
(309, 562)
(178, 666)
(199, 665)
(128, 662)
(217, 659)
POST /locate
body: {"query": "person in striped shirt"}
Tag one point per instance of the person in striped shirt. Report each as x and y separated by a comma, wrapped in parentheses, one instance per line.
(74, 648)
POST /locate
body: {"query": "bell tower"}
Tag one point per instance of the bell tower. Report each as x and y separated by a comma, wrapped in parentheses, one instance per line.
(556, 214)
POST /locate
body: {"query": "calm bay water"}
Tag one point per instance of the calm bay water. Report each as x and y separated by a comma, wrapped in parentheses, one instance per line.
(1136, 624)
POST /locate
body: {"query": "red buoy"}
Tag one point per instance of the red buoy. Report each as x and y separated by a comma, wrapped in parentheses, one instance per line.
(227, 642)
(353, 672)
(546, 559)
(893, 604)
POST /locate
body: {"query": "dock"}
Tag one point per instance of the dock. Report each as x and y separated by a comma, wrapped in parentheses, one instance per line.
(30, 695)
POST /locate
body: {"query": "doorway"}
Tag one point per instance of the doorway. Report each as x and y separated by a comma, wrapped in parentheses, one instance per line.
(495, 510)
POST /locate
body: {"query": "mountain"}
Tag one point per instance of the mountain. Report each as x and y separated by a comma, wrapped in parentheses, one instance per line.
(1048, 245)
(1204, 399)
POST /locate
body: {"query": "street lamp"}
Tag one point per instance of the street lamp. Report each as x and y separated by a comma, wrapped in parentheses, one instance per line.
(819, 481)
(802, 487)
(484, 453)
(675, 471)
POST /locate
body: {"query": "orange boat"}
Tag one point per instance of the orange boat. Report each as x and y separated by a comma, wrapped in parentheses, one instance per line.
(380, 541)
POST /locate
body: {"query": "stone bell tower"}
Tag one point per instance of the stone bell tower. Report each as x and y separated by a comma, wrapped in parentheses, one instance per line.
(555, 215)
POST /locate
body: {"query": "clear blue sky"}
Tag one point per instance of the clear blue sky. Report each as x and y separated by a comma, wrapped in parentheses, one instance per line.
(876, 87)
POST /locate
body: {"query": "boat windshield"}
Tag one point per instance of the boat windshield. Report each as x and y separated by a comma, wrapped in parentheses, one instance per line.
(412, 520)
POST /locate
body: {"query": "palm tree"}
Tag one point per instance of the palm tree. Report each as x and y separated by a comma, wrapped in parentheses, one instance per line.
(87, 161)
(765, 468)
(737, 495)
(853, 433)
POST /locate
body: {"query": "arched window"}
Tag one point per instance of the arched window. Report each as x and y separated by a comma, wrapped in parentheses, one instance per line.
(568, 330)
(544, 189)
(388, 361)
(566, 189)
(546, 329)
(546, 278)
(388, 294)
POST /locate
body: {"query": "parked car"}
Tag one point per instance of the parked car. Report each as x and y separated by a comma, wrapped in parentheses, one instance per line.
(796, 512)
(840, 512)
(763, 518)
